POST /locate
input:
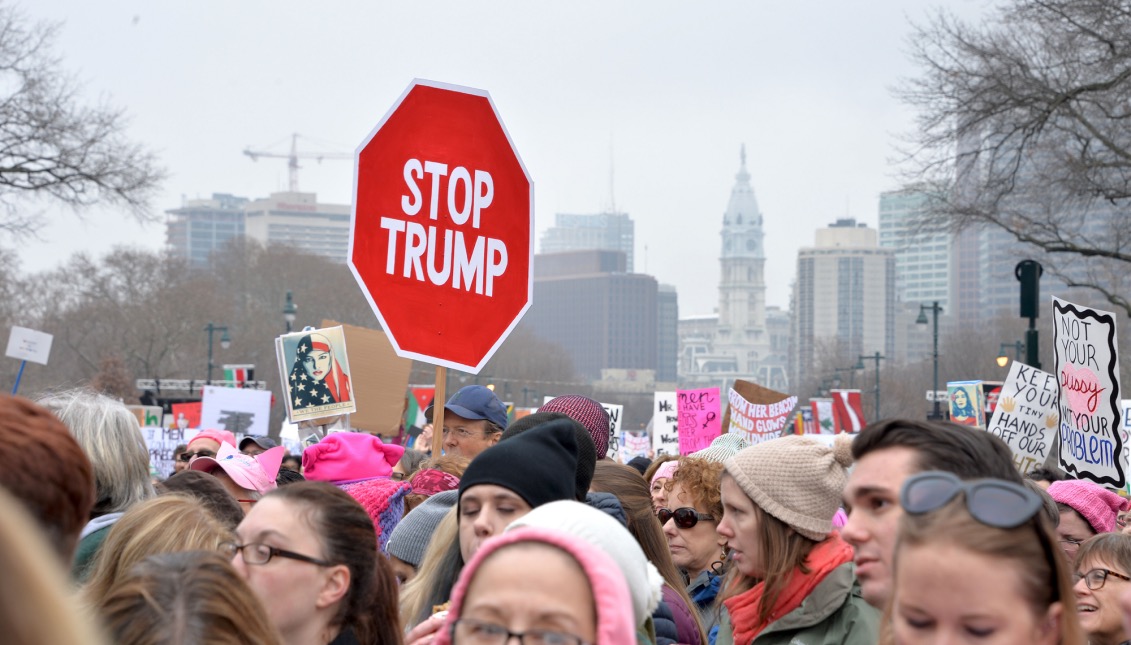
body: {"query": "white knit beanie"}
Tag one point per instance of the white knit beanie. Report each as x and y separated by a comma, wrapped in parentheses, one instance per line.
(600, 530)
(796, 479)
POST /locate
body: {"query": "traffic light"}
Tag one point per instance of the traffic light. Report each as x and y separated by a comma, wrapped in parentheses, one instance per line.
(1029, 272)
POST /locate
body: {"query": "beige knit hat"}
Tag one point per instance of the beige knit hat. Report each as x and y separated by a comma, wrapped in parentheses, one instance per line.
(796, 479)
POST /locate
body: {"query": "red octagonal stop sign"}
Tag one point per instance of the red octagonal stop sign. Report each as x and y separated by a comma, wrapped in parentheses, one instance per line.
(441, 239)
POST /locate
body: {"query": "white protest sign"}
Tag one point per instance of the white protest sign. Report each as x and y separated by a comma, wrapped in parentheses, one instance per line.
(634, 445)
(665, 424)
(1026, 416)
(29, 345)
(1087, 369)
(235, 410)
(160, 442)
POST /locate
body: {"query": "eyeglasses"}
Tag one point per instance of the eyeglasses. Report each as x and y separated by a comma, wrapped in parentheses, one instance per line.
(467, 631)
(992, 502)
(187, 456)
(259, 553)
(1073, 542)
(685, 518)
(461, 433)
(1096, 578)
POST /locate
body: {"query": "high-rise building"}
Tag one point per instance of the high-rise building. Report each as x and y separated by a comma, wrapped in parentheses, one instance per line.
(922, 258)
(201, 227)
(844, 298)
(735, 343)
(605, 231)
(299, 221)
(667, 334)
(602, 316)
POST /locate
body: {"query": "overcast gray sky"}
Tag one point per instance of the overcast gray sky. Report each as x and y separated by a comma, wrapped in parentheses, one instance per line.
(665, 91)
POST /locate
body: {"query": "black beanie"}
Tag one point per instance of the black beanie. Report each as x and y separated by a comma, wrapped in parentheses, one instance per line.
(586, 451)
(537, 465)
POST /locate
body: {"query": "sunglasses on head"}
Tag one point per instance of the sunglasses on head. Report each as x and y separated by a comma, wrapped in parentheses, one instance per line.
(187, 456)
(993, 502)
(685, 518)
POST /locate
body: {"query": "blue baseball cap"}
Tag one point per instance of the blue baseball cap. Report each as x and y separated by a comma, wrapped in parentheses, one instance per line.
(475, 402)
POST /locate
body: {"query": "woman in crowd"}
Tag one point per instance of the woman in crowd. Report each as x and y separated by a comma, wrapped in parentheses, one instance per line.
(410, 462)
(657, 477)
(792, 576)
(690, 521)
(978, 561)
(632, 492)
(410, 539)
(109, 435)
(165, 524)
(1103, 574)
(577, 597)
(309, 552)
(1086, 510)
(436, 573)
(188, 597)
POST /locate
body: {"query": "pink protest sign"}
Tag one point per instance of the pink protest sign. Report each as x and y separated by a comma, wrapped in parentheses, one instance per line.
(699, 418)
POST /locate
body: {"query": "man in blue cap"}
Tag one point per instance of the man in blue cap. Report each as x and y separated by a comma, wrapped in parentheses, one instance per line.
(474, 419)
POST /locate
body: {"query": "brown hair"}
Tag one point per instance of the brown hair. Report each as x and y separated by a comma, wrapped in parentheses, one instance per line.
(347, 536)
(166, 524)
(47, 471)
(1113, 548)
(631, 490)
(650, 471)
(209, 492)
(187, 597)
(782, 551)
(437, 574)
(1030, 549)
(700, 480)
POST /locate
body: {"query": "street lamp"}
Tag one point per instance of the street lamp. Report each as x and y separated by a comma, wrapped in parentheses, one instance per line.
(1003, 358)
(289, 310)
(935, 309)
(860, 365)
(225, 342)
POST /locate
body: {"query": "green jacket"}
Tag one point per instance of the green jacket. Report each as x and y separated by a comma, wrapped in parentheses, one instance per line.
(834, 614)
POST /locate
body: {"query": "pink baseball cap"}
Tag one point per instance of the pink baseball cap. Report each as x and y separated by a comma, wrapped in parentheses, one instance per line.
(219, 436)
(252, 473)
(350, 456)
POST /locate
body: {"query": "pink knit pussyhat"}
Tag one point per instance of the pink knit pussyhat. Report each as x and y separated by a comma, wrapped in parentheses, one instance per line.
(610, 592)
(348, 457)
(1098, 506)
(666, 470)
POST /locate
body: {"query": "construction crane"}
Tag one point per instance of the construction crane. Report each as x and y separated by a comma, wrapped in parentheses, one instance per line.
(293, 157)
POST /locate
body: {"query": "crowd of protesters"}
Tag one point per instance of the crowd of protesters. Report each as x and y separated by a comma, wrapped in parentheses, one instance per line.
(527, 532)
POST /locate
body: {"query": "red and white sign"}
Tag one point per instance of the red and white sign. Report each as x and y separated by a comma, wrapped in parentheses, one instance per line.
(441, 239)
(848, 411)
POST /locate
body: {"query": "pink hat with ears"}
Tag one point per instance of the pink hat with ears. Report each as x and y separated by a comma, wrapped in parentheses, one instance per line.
(610, 591)
(349, 456)
(252, 473)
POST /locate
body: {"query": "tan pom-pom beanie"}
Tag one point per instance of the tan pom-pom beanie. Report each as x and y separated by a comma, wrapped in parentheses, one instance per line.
(796, 479)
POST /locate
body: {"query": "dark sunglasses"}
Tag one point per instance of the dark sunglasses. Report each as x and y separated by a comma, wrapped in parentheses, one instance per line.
(993, 502)
(685, 518)
(187, 456)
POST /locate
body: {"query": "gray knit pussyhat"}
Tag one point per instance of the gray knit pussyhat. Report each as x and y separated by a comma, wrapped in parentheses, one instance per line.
(796, 479)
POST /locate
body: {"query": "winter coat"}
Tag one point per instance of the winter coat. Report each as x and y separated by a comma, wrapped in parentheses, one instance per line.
(664, 622)
(833, 614)
(90, 542)
(685, 627)
(703, 590)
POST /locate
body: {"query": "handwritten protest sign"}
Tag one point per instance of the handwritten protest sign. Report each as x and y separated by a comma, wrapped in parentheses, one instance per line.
(633, 444)
(161, 443)
(665, 424)
(237, 411)
(1026, 415)
(1087, 370)
(699, 418)
(757, 413)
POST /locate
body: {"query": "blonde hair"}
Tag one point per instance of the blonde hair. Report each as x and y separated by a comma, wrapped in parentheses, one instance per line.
(166, 524)
(439, 569)
(1031, 551)
(111, 438)
(35, 603)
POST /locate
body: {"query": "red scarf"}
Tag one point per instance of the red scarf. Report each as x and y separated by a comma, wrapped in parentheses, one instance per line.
(743, 608)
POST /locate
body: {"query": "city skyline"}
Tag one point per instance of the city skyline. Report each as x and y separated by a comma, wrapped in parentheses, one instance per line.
(609, 106)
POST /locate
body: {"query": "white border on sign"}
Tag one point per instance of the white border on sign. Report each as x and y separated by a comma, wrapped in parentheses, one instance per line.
(353, 223)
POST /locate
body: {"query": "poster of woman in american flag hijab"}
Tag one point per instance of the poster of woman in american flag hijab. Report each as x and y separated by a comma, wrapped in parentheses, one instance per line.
(317, 383)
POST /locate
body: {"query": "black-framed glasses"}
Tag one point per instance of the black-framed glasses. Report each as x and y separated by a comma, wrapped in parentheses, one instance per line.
(685, 518)
(187, 456)
(468, 631)
(993, 502)
(259, 553)
(1096, 578)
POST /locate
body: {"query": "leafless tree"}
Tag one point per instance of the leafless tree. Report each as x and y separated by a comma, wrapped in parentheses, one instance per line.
(1023, 125)
(51, 142)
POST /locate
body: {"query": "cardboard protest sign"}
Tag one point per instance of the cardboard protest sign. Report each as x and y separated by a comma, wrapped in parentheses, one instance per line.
(1026, 416)
(848, 411)
(379, 379)
(1087, 369)
(161, 443)
(147, 415)
(665, 424)
(29, 345)
(823, 415)
(235, 410)
(634, 444)
(967, 403)
(758, 413)
(699, 418)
